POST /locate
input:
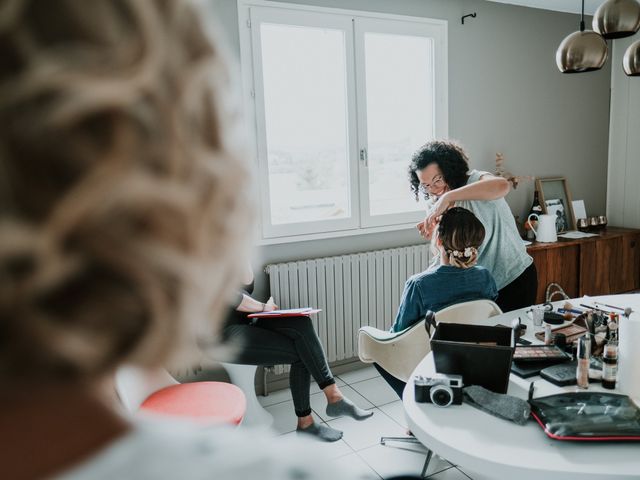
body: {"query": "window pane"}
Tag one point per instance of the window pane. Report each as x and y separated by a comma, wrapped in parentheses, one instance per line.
(400, 115)
(304, 78)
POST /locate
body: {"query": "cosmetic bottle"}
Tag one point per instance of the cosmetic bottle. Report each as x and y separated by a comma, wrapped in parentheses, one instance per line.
(584, 354)
(548, 337)
(610, 365)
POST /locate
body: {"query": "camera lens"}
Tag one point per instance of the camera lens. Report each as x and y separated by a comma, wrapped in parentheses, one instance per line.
(441, 395)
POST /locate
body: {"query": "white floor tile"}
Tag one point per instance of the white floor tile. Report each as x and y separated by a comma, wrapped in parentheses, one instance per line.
(376, 390)
(366, 433)
(473, 475)
(284, 394)
(354, 467)
(327, 449)
(395, 411)
(284, 417)
(359, 375)
(319, 401)
(399, 459)
(278, 396)
(450, 474)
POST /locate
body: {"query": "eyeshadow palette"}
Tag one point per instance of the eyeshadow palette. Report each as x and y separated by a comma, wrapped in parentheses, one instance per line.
(540, 353)
(572, 332)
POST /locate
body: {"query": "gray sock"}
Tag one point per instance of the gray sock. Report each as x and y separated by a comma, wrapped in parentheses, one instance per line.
(348, 408)
(323, 432)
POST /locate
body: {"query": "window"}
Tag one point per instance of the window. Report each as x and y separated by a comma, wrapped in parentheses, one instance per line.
(340, 103)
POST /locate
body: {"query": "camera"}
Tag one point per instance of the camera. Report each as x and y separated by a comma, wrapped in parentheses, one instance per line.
(441, 390)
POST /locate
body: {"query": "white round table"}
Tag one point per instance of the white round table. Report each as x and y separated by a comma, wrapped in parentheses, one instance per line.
(490, 447)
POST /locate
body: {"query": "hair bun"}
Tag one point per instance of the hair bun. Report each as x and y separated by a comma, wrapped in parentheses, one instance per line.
(467, 252)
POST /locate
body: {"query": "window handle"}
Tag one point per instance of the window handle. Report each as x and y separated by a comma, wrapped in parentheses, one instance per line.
(363, 157)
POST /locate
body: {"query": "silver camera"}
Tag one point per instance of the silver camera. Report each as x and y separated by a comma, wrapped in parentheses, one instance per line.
(441, 390)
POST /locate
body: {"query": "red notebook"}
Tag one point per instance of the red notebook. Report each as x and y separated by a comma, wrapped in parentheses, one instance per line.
(292, 312)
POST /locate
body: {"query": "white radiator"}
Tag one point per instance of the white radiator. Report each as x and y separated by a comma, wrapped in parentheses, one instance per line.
(352, 291)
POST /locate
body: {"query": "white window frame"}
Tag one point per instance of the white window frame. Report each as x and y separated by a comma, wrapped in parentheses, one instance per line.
(360, 221)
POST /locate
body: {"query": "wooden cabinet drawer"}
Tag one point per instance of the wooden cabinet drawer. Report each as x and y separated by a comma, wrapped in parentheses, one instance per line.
(557, 265)
(601, 265)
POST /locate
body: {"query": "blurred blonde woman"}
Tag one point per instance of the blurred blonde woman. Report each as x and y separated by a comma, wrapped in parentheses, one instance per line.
(123, 213)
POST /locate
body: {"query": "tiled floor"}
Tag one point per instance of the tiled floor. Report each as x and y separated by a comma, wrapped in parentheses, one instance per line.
(360, 450)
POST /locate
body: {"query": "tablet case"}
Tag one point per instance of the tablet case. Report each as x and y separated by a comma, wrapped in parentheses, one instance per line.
(531, 369)
(481, 354)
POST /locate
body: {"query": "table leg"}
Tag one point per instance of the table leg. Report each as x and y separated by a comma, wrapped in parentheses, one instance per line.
(426, 463)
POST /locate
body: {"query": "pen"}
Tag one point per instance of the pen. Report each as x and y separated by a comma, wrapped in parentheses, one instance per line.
(593, 307)
(611, 306)
(570, 310)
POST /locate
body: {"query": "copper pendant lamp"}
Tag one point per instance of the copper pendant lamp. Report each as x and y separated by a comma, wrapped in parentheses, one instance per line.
(582, 51)
(631, 60)
(617, 18)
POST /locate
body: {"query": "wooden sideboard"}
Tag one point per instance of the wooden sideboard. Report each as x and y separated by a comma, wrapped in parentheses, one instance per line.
(606, 264)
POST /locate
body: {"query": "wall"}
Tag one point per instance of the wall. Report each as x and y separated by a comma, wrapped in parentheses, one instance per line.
(505, 95)
(623, 194)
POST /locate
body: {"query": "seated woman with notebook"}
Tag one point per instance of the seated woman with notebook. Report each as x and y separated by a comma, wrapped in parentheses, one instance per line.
(456, 279)
(289, 340)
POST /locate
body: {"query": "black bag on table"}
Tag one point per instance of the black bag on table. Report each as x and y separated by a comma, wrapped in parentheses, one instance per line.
(591, 416)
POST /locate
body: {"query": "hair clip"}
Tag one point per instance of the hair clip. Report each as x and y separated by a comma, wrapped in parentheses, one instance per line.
(467, 252)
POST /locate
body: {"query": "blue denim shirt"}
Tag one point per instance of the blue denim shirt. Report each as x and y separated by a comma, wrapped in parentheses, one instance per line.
(435, 289)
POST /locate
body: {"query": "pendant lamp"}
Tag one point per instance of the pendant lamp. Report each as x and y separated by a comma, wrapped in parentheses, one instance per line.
(582, 51)
(617, 18)
(631, 60)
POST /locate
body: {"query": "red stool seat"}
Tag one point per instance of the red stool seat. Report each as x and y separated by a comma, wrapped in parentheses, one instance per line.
(202, 401)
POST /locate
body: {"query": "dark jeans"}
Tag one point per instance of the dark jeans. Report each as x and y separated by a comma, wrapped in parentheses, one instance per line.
(521, 292)
(285, 340)
(395, 383)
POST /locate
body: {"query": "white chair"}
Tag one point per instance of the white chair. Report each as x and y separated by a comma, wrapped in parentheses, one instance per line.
(134, 385)
(243, 376)
(400, 352)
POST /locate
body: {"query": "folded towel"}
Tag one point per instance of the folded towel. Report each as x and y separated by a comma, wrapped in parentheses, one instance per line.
(498, 404)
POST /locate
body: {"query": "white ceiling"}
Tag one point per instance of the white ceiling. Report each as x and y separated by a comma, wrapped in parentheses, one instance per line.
(572, 6)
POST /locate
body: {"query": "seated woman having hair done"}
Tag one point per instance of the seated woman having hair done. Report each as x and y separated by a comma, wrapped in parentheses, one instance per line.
(290, 341)
(456, 279)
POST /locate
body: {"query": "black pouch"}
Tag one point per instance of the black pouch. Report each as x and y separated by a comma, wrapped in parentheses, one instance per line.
(553, 318)
(591, 416)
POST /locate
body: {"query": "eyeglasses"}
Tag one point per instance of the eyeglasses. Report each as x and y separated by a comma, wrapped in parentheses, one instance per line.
(436, 182)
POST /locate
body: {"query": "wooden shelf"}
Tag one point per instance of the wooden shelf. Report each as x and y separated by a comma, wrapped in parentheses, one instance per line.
(606, 264)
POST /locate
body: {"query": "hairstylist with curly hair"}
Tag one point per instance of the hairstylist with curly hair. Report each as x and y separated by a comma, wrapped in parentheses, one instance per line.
(439, 171)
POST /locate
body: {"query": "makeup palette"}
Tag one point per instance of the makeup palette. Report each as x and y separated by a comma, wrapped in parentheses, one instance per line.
(540, 353)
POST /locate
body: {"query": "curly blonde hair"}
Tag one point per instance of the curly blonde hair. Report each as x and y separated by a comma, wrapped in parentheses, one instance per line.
(124, 211)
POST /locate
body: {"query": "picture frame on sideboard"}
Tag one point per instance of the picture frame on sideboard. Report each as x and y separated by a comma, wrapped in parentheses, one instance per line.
(555, 198)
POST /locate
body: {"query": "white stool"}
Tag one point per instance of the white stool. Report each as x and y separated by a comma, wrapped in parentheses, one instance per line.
(243, 376)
